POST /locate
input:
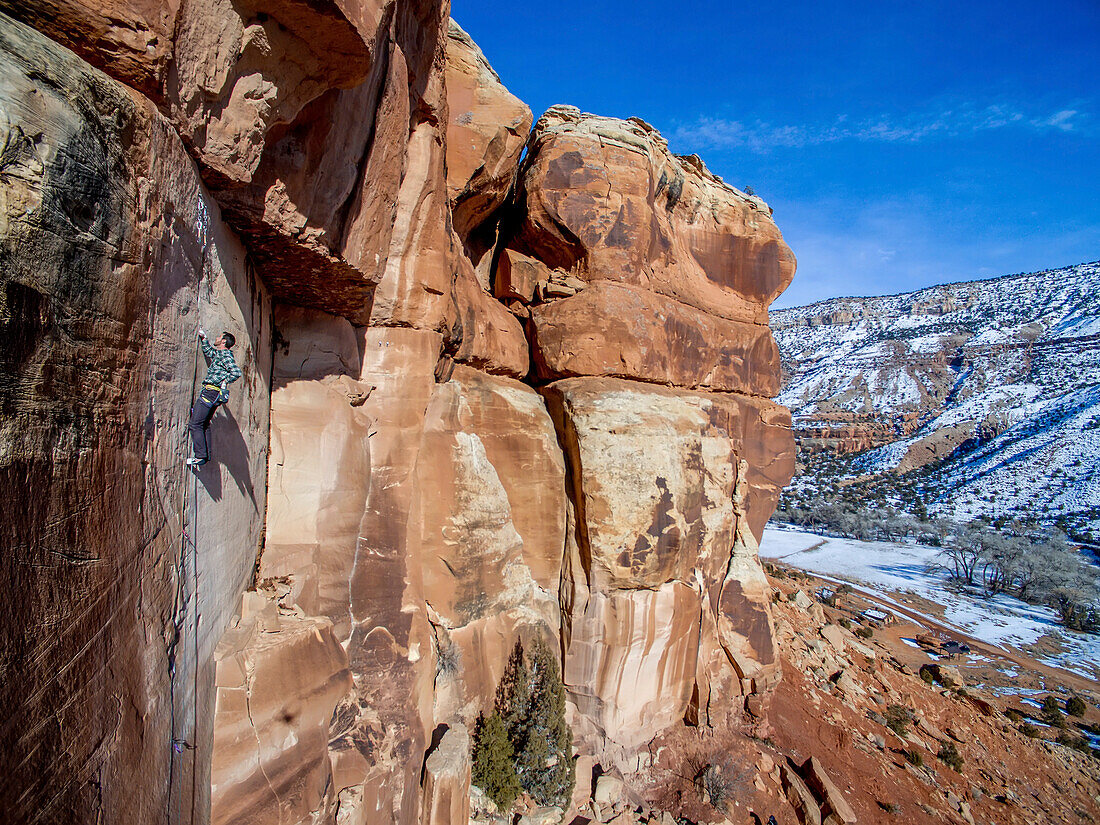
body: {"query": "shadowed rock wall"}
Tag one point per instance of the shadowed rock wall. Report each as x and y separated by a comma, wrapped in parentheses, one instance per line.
(123, 568)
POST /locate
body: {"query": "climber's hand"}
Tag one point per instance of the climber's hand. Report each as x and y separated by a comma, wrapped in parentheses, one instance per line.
(202, 334)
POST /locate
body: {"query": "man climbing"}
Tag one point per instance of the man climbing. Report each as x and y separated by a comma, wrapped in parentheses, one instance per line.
(222, 372)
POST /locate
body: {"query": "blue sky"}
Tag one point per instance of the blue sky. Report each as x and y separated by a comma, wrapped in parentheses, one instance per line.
(901, 144)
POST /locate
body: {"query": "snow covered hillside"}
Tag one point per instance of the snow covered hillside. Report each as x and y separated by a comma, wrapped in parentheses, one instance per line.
(978, 399)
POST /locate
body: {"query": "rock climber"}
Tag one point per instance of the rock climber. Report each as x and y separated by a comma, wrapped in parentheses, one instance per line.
(222, 372)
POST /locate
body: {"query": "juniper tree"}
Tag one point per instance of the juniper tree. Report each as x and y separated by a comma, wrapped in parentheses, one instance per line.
(545, 756)
(530, 701)
(494, 768)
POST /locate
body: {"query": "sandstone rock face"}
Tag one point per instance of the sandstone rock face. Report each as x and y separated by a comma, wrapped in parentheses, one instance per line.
(671, 490)
(279, 677)
(486, 131)
(112, 256)
(241, 68)
(493, 530)
(422, 508)
(382, 734)
(604, 199)
(447, 535)
(346, 210)
(129, 39)
(320, 126)
(319, 473)
(480, 331)
(618, 330)
(227, 71)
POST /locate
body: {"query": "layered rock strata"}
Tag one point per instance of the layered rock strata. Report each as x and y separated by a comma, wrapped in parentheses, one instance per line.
(502, 402)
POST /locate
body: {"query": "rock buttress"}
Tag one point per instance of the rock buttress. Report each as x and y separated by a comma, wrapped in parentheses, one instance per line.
(426, 508)
(647, 280)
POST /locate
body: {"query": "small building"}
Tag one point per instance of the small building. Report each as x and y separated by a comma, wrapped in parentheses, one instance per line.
(882, 617)
(953, 648)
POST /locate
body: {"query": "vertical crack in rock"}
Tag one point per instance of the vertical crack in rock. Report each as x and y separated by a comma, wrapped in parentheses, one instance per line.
(259, 744)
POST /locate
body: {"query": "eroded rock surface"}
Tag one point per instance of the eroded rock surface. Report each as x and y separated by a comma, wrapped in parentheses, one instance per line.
(279, 677)
(486, 131)
(618, 330)
(227, 72)
(346, 210)
(320, 468)
(447, 780)
(422, 508)
(605, 200)
(671, 489)
(493, 530)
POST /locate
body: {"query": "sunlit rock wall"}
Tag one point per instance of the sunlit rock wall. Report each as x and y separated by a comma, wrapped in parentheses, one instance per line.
(646, 278)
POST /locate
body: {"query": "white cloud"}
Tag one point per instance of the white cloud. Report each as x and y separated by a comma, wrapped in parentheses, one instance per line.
(1062, 120)
(761, 136)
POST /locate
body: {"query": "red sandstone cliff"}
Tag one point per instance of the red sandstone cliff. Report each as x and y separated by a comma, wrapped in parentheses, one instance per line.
(482, 402)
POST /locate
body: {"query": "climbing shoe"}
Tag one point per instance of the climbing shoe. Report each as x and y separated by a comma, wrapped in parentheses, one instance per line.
(195, 462)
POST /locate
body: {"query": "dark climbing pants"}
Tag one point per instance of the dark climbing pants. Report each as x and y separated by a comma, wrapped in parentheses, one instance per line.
(201, 413)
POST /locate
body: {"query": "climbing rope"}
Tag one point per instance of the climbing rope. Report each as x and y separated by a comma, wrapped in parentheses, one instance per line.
(188, 540)
(184, 595)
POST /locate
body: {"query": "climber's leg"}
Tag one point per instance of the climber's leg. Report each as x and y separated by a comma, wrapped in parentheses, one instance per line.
(201, 412)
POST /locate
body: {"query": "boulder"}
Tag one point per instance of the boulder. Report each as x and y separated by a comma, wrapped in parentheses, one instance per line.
(446, 781)
(945, 675)
(847, 684)
(609, 790)
(541, 816)
(800, 797)
(834, 807)
(113, 254)
(802, 600)
(279, 678)
(518, 277)
(834, 635)
(605, 199)
(487, 128)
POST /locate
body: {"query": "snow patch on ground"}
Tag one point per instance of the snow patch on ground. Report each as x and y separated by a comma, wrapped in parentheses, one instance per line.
(888, 569)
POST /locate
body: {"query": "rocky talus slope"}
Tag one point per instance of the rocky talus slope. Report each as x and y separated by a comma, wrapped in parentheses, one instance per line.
(986, 393)
(483, 401)
(860, 731)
